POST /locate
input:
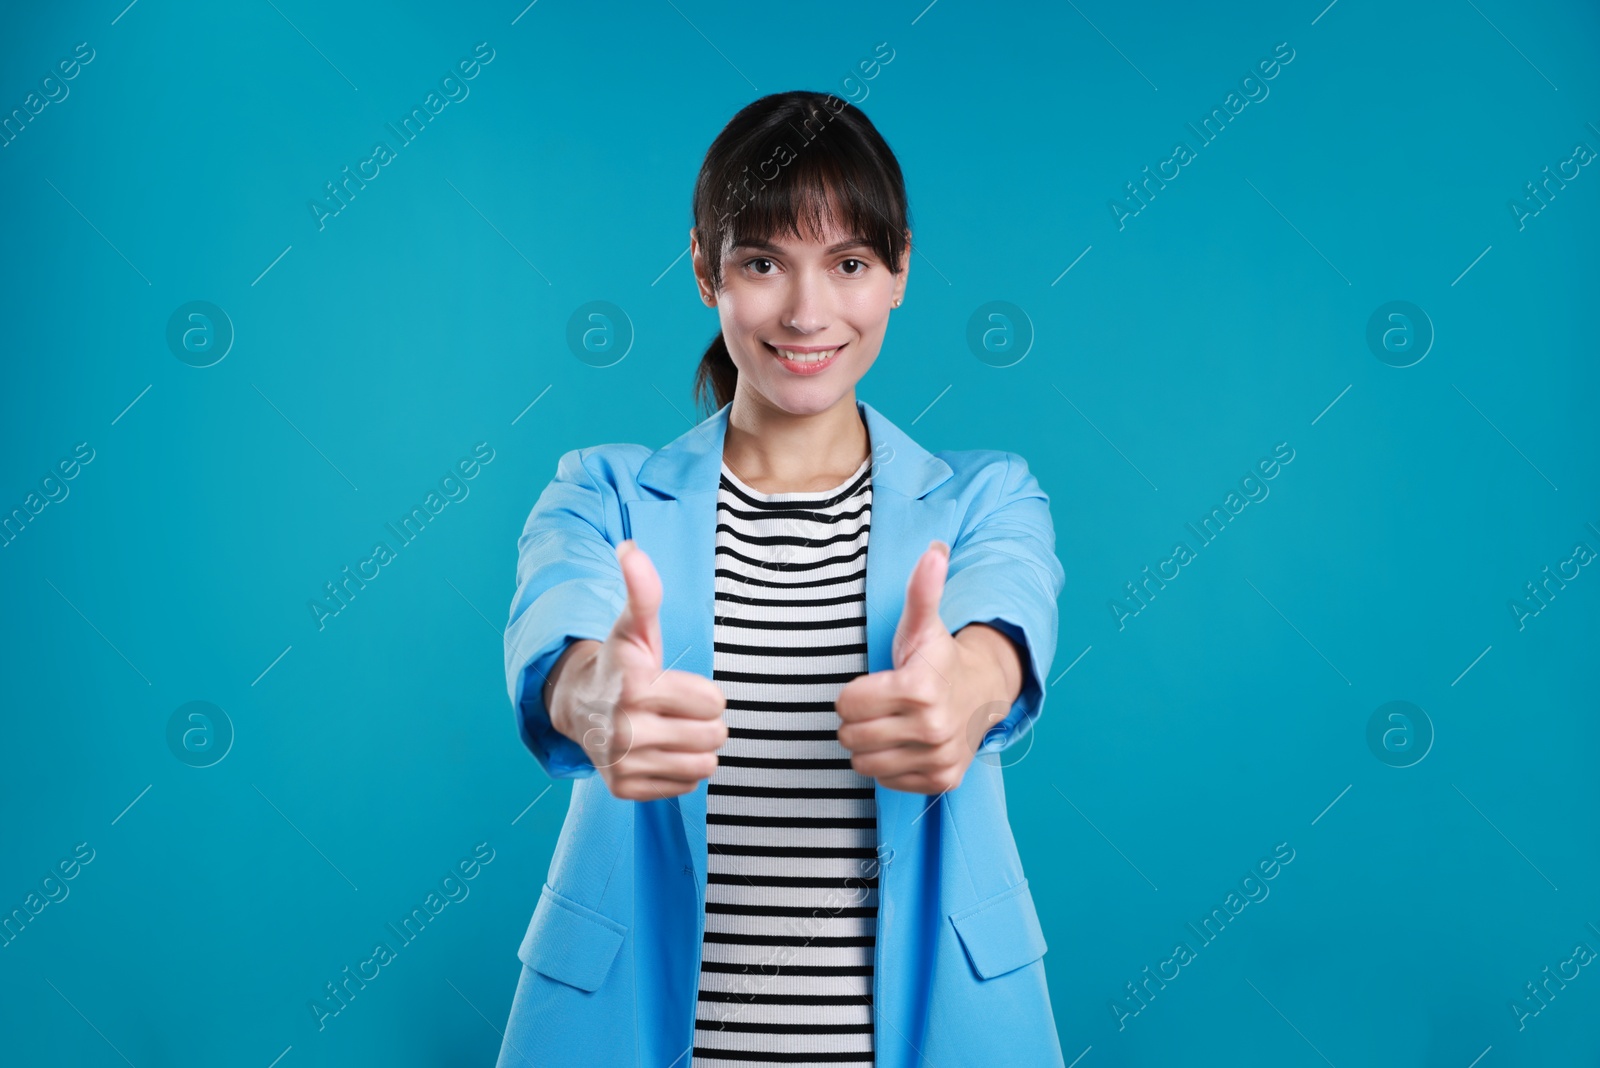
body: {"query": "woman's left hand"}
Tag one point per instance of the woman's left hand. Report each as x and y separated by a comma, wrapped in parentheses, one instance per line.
(918, 726)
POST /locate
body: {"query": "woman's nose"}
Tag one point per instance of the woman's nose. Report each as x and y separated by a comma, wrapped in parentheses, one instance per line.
(805, 312)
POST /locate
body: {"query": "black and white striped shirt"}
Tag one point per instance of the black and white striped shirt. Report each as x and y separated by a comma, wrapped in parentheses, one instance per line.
(791, 827)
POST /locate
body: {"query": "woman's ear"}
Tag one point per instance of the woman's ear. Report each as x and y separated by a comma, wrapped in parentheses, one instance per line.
(702, 275)
(905, 272)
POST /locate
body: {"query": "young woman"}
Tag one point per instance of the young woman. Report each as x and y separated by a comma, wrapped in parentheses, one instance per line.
(768, 654)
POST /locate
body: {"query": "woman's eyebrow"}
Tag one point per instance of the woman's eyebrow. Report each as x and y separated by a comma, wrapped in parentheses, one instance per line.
(767, 246)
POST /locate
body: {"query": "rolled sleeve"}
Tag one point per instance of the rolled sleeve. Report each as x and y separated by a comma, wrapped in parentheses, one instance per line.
(1003, 572)
(569, 587)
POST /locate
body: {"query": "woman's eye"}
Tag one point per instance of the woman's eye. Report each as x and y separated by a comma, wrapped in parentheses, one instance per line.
(861, 266)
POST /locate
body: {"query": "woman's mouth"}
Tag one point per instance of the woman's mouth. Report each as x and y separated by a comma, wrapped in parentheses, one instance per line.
(804, 363)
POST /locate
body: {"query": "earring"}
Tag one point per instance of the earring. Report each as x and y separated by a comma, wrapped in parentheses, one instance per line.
(896, 302)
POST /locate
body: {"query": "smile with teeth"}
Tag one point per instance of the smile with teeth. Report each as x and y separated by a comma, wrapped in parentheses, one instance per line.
(803, 357)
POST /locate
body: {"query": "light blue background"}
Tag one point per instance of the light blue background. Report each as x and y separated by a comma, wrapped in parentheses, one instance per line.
(1229, 315)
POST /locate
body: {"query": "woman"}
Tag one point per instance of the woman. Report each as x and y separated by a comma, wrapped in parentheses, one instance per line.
(779, 842)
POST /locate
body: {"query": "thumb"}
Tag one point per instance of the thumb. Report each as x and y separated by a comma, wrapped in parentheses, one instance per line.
(923, 592)
(640, 621)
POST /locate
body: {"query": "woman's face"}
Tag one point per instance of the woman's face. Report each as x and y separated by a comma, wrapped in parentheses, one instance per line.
(800, 298)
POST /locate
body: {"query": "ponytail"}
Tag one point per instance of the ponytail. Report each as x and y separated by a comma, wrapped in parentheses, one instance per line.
(716, 375)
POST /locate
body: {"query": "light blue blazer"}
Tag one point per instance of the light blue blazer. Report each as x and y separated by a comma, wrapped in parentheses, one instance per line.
(612, 955)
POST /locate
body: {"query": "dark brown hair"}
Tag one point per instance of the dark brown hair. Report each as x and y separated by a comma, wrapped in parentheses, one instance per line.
(787, 161)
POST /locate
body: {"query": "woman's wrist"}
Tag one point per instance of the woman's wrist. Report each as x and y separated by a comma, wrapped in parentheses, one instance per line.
(999, 658)
(567, 679)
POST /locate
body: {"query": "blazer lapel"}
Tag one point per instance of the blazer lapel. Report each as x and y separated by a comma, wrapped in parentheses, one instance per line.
(678, 533)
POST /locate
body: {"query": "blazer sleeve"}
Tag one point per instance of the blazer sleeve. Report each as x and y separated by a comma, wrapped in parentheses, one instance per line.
(569, 586)
(1003, 572)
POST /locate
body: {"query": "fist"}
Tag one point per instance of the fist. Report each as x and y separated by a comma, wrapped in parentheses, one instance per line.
(650, 733)
(910, 727)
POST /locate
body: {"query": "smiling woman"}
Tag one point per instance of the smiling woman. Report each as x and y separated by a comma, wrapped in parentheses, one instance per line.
(804, 266)
(769, 652)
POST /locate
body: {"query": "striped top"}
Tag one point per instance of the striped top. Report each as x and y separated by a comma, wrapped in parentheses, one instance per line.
(792, 832)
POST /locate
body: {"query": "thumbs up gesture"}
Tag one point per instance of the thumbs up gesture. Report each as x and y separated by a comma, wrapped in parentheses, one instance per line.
(650, 733)
(910, 727)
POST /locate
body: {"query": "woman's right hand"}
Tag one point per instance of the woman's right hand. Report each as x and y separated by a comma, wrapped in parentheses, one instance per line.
(650, 733)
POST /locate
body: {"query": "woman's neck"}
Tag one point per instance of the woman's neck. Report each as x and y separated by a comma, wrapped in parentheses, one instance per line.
(776, 452)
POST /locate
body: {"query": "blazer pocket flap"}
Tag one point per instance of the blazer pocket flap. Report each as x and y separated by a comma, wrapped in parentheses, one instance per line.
(570, 943)
(1001, 932)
